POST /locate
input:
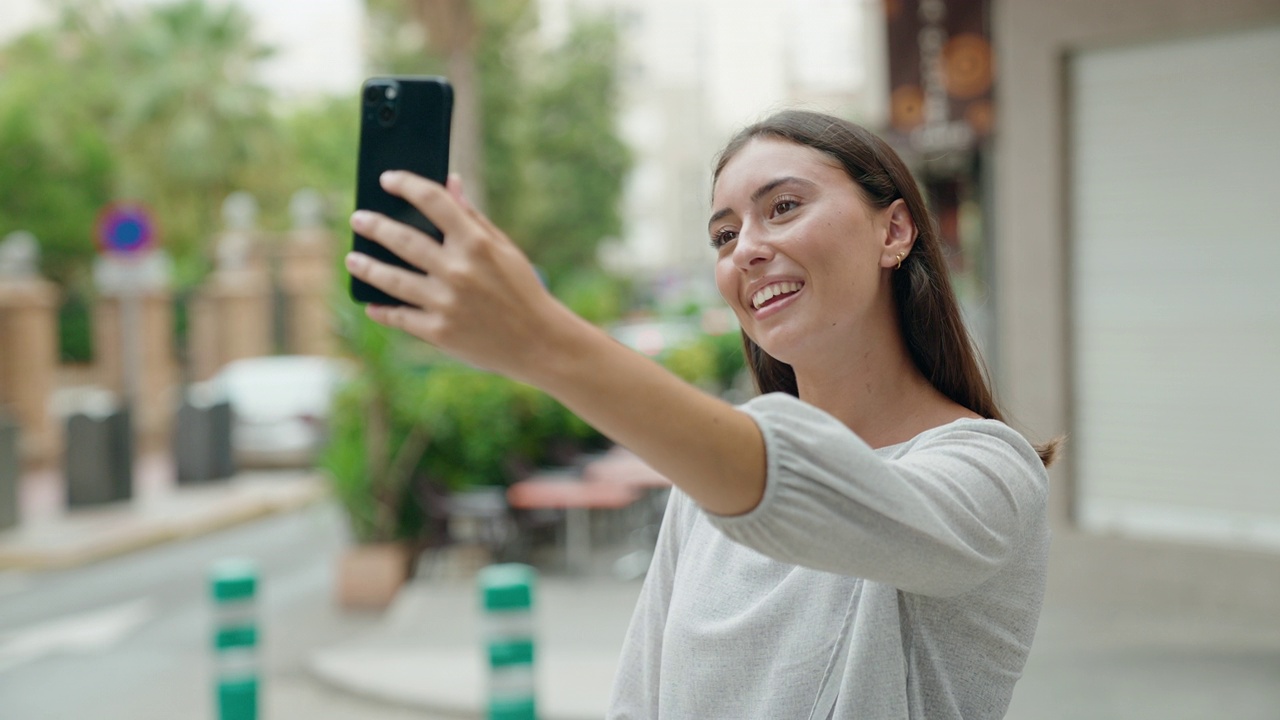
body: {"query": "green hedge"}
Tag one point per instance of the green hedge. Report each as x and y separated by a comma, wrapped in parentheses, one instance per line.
(402, 432)
(407, 427)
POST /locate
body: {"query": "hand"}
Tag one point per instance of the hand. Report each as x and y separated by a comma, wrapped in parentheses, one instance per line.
(480, 301)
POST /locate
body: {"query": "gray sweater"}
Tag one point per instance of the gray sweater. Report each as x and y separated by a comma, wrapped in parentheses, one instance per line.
(922, 564)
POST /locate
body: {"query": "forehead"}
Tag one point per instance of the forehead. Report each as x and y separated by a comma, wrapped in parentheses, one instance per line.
(765, 159)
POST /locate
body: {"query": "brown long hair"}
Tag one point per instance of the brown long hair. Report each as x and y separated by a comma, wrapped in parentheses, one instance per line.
(928, 313)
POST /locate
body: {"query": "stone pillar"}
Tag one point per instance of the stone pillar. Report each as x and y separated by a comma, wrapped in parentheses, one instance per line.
(307, 275)
(230, 316)
(143, 281)
(28, 347)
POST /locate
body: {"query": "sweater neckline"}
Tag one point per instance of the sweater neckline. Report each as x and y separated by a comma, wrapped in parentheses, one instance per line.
(936, 429)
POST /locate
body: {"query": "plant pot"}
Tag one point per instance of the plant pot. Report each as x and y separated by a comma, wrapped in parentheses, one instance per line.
(370, 575)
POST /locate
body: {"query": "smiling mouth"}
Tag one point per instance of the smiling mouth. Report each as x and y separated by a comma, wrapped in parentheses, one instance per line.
(774, 293)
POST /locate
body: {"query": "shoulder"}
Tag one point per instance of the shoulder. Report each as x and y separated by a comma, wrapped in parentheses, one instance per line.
(965, 432)
(977, 437)
(979, 447)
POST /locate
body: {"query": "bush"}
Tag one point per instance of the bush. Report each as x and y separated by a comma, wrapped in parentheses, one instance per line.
(712, 362)
(75, 329)
(488, 430)
(404, 432)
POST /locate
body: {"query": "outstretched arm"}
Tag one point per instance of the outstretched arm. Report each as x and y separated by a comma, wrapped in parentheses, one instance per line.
(482, 302)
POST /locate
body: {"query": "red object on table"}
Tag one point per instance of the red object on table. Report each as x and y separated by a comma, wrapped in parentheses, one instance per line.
(622, 467)
(537, 493)
(577, 499)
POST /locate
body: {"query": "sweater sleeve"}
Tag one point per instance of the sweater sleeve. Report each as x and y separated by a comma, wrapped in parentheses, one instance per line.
(937, 516)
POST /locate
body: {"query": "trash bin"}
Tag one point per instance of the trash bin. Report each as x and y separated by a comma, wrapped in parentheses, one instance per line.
(99, 456)
(10, 471)
(202, 437)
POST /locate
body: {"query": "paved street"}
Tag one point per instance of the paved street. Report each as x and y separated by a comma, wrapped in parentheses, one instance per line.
(128, 638)
(1121, 640)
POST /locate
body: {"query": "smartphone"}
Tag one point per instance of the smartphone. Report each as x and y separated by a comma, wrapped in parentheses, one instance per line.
(404, 125)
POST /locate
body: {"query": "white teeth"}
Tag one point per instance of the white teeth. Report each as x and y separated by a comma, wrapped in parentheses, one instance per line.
(768, 292)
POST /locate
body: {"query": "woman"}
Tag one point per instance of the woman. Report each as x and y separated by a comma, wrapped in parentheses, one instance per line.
(866, 539)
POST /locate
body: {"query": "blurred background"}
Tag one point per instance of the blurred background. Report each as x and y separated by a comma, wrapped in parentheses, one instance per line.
(183, 378)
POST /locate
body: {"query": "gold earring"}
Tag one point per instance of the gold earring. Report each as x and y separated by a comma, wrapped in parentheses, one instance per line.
(900, 256)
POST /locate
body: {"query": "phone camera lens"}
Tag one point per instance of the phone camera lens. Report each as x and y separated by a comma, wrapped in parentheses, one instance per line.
(386, 114)
(372, 94)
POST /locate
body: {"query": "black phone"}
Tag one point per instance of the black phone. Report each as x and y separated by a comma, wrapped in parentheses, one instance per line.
(404, 125)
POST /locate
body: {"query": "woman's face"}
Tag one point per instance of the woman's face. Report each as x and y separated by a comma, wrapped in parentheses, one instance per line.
(800, 252)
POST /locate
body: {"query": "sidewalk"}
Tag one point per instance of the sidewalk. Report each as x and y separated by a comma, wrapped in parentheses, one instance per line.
(426, 653)
(50, 536)
(1098, 654)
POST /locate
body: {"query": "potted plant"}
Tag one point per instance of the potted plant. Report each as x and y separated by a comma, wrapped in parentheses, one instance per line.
(411, 432)
(371, 458)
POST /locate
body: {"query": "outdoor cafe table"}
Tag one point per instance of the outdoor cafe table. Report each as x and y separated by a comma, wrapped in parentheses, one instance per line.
(577, 498)
(623, 467)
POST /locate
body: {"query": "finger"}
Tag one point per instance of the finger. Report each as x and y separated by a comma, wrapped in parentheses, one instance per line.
(455, 187)
(434, 200)
(414, 288)
(407, 242)
(414, 321)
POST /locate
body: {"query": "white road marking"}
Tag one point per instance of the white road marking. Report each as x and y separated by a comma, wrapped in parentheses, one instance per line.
(83, 633)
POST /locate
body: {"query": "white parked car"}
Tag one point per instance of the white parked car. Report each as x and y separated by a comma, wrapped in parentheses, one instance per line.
(280, 406)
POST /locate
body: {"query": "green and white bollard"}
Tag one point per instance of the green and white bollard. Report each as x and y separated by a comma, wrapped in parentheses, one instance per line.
(506, 597)
(234, 585)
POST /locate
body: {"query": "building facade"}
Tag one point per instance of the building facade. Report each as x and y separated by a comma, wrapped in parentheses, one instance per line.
(1135, 236)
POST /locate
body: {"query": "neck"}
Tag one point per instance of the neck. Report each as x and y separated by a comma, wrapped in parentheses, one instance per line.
(880, 394)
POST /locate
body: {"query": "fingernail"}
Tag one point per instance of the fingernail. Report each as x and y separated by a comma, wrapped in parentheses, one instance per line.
(356, 261)
(361, 219)
(387, 177)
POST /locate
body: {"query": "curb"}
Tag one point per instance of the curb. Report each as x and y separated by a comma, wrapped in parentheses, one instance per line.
(86, 536)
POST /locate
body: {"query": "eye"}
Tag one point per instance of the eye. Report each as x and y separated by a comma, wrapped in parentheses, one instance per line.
(784, 205)
(722, 237)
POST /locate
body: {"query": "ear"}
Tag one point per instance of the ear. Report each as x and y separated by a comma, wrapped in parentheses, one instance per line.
(900, 233)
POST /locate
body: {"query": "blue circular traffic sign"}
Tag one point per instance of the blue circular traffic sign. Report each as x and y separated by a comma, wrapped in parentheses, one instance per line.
(125, 229)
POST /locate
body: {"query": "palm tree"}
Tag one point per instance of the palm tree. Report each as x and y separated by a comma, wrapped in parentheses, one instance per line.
(452, 31)
(192, 114)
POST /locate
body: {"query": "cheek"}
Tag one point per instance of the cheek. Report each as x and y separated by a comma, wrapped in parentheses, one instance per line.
(726, 281)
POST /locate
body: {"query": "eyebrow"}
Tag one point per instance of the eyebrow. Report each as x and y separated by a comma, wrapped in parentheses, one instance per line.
(760, 192)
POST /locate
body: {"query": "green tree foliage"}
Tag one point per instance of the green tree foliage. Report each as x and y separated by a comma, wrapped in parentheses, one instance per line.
(58, 167)
(571, 180)
(315, 147)
(159, 106)
(195, 121)
(411, 425)
(554, 163)
(322, 138)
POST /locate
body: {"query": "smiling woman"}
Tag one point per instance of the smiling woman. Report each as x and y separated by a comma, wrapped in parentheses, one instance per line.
(866, 539)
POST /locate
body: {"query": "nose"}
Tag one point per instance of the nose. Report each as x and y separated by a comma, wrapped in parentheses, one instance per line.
(751, 248)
